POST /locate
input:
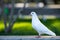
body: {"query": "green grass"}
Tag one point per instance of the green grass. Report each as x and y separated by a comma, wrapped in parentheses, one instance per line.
(24, 27)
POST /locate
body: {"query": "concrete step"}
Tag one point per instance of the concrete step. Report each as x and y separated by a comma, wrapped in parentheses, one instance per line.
(29, 38)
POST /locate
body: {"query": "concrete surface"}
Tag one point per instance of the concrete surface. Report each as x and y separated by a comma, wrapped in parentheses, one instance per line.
(29, 38)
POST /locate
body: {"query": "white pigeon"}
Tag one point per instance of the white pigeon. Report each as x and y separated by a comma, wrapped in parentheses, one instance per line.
(39, 27)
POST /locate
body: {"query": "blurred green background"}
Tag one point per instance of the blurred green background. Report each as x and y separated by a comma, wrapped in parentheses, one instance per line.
(11, 10)
(24, 27)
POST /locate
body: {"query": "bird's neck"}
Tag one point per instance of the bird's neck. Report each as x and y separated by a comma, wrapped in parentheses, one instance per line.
(35, 17)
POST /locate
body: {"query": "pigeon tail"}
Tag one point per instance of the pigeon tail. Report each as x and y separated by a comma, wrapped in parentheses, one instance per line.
(52, 33)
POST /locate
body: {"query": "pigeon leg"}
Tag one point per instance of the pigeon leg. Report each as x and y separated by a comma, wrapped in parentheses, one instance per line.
(39, 36)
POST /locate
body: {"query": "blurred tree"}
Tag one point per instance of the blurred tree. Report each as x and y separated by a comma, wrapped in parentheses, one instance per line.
(57, 1)
(1, 6)
(19, 1)
(7, 1)
(12, 19)
(6, 10)
(9, 27)
(16, 1)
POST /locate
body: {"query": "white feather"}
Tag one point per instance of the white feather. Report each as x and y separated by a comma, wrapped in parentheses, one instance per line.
(39, 27)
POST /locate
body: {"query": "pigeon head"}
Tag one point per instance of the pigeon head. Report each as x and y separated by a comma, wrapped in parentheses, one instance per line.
(33, 13)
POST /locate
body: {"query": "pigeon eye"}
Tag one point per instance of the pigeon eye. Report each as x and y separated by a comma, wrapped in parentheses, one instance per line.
(32, 13)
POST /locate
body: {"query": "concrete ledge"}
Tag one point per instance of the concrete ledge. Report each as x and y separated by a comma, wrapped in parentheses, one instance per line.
(29, 38)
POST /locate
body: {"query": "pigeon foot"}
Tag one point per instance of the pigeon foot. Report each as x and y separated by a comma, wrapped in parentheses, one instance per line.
(38, 36)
